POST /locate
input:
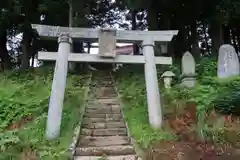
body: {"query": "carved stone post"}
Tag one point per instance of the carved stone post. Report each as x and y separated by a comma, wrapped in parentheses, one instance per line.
(58, 87)
(153, 97)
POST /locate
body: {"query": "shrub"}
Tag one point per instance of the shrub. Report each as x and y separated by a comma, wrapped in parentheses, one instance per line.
(206, 67)
(228, 97)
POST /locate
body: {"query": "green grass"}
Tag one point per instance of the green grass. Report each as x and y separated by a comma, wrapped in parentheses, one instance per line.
(132, 89)
(131, 85)
(23, 94)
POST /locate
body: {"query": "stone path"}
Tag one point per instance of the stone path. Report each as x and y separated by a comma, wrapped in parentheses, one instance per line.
(104, 134)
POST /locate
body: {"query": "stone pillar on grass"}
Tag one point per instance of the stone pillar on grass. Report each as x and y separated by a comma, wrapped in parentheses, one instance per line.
(188, 77)
(58, 87)
(153, 95)
(228, 62)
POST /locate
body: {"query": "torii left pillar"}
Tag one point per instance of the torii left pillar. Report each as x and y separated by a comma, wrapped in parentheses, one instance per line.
(58, 88)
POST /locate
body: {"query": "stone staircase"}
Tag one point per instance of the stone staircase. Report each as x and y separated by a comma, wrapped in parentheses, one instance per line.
(104, 135)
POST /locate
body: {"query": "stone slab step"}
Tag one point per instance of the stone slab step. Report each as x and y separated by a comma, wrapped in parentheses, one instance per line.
(126, 157)
(104, 132)
(105, 151)
(104, 110)
(99, 105)
(108, 118)
(103, 89)
(103, 141)
(102, 125)
(104, 116)
(105, 97)
(108, 100)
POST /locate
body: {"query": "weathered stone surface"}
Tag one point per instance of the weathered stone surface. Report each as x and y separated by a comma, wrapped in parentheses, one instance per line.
(188, 64)
(188, 70)
(106, 92)
(114, 117)
(125, 157)
(167, 78)
(109, 117)
(97, 105)
(93, 115)
(102, 125)
(92, 120)
(228, 62)
(104, 110)
(103, 115)
(98, 125)
(104, 132)
(99, 110)
(104, 96)
(104, 141)
(108, 100)
(107, 43)
(110, 150)
(116, 124)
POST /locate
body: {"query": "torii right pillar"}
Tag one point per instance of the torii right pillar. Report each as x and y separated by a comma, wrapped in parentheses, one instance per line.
(153, 96)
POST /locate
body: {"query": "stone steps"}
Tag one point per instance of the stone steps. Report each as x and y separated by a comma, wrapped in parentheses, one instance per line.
(103, 125)
(103, 151)
(104, 141)
(108, 100)
(103, 132)
(105, 110)
(103, 116)
(125, 157)
(108, 118)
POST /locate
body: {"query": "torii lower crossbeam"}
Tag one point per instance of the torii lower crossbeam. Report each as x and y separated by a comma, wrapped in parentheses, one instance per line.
(83, 57)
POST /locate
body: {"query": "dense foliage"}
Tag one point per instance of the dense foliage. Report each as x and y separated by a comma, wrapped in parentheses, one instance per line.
(24, 99)
(210, 93)
(211, 23)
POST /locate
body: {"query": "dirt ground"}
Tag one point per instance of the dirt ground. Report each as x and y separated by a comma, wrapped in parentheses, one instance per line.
(189, 146)
(179, 150)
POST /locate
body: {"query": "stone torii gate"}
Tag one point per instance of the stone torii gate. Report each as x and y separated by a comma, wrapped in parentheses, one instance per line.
(107, 45)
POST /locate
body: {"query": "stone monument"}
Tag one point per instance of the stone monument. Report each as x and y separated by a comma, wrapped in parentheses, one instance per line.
(188, 77)
(228, 63)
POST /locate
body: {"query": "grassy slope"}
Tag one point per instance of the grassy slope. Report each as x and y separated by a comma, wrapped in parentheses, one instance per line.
(22, 95)
(131, 84)
(132, 89)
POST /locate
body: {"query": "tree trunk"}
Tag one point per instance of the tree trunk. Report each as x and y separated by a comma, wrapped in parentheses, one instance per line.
(72, 65)
(234, 39)
(226, 35)
(32, 65)
(194, 40)
(152, 18)
(238, 37)
(181, 42)
(217, 36)
(26, 45)
(70, 13)
(134, 27)
(5, 58)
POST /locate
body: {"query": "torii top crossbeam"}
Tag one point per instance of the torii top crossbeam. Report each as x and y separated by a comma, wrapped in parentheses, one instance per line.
(53, 32)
